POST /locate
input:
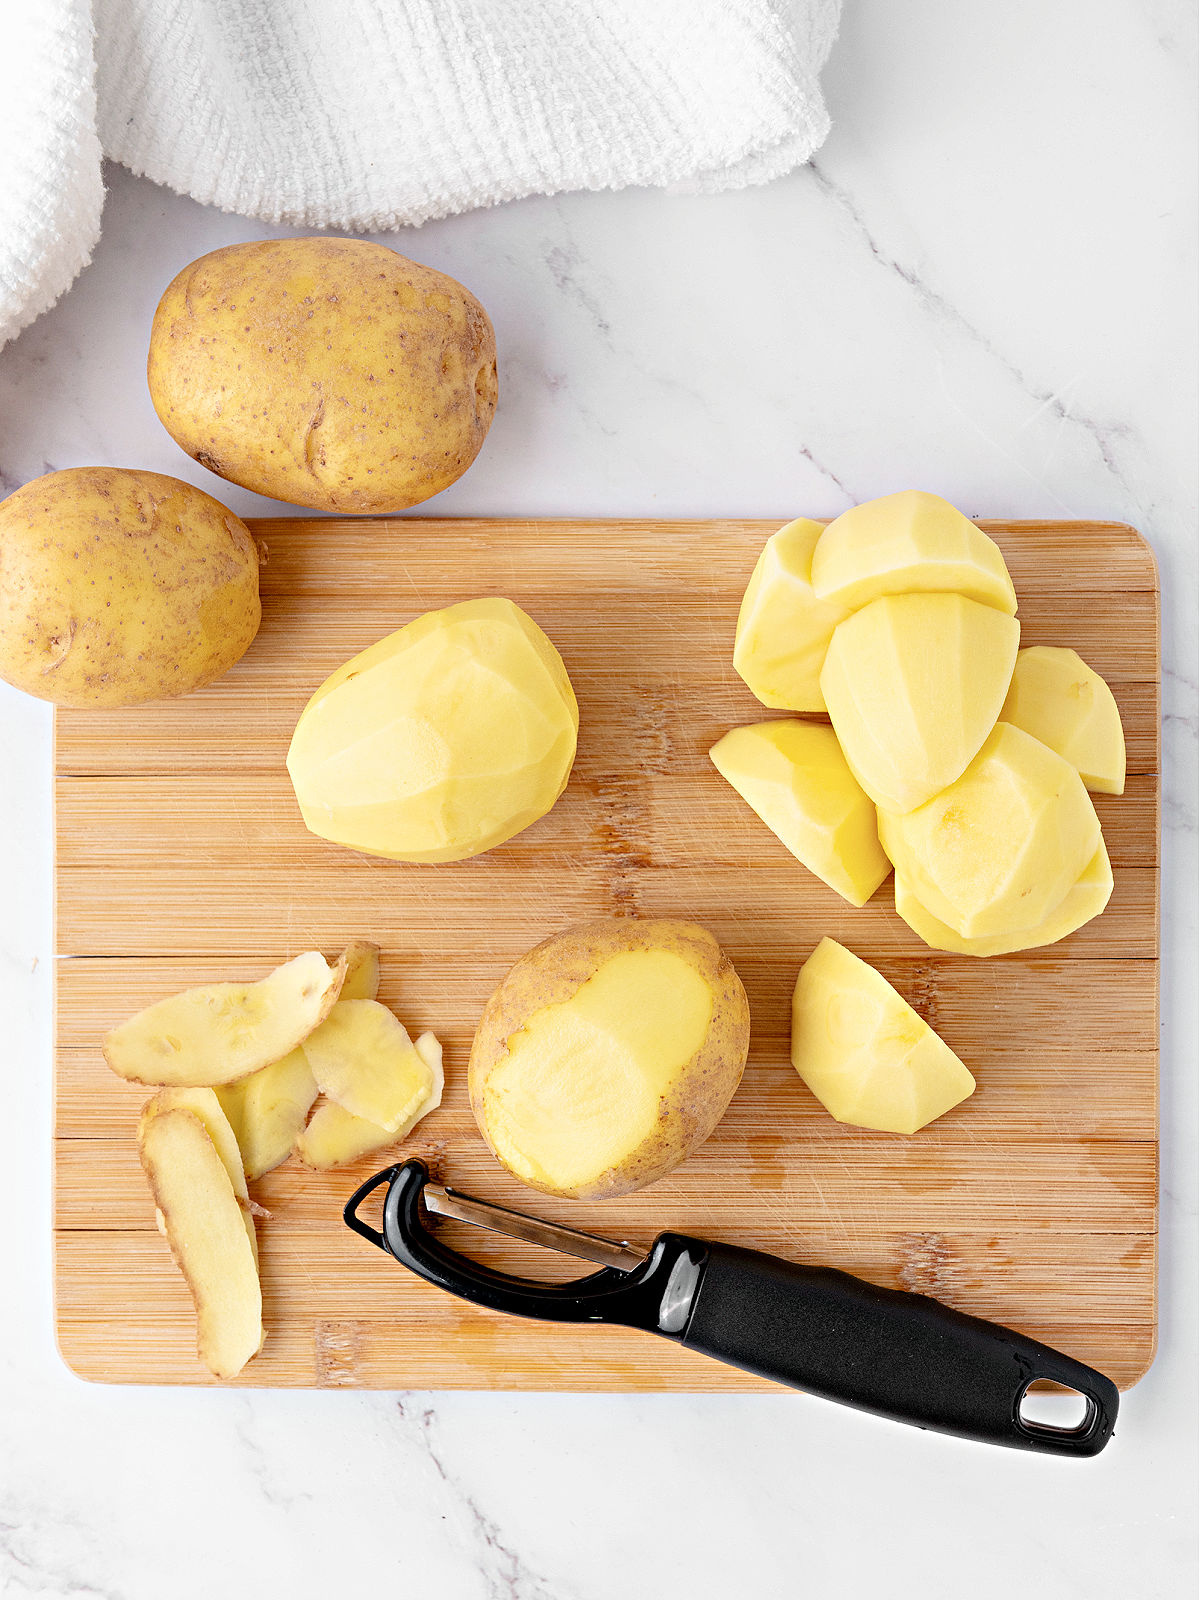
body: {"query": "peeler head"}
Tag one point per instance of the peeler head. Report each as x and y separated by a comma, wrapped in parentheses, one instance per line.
(626, 1294)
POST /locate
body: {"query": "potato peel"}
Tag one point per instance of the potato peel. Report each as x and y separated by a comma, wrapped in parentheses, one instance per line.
(221, 1032)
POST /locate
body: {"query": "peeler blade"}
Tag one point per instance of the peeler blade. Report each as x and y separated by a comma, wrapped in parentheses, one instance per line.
(445, 1202)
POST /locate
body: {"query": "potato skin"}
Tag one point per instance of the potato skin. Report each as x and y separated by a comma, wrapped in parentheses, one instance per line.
(119, 586)
(331, 373)
(552, 972)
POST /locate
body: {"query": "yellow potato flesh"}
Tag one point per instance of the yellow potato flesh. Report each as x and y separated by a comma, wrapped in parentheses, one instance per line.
(225, 1031)
(119, 586)
(994, 853)
(914, 684)
(909, 543)
(795, 777)
(442, 740)
(1085, 899)
(335, 1136)
(783, 630)
(328, 372)
(363, 1058)
(205, 1227)
(267, 1110)
(864, 1052)
(1057, 698)
(209, 1107)
(581, 1085)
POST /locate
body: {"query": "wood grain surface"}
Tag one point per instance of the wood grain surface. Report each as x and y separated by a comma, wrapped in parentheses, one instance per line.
(182, 859)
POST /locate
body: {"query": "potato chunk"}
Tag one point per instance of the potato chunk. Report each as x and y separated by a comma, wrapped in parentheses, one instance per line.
(996, 852)
(608, 1054)
(908, 543)
(1085, 899)
(442, 740)
(205, 1227)
(1057, 698)
(363, 1058)
(225, 1031)
(335, 1136)
(795, 777)
(864, 1052)
(783, 630)
(914, 684)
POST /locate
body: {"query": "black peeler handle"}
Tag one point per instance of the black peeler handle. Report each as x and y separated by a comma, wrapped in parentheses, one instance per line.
(904, 1356)
(900, 1355)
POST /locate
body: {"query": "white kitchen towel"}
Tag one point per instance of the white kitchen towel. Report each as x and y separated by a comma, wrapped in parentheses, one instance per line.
(371, 115)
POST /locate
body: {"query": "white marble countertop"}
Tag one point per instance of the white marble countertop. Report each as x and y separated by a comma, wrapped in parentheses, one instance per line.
(983, 287)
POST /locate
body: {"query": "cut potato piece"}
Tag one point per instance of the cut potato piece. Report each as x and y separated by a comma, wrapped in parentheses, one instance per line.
(608, 1054)
(205, 1227)
(335, 1136)
(362, 971)
(914, 684)
(225, 1031)
(1085, 899)
(267, 1110)
(442, 740)
(363, 1058)
(207, 1105)
(795, 777)
(996, 852)
(1057, 698)
(909, 543)
(783, 630)
(864, 1052)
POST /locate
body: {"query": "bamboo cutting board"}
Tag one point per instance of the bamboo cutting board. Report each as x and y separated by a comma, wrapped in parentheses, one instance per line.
(182, 859)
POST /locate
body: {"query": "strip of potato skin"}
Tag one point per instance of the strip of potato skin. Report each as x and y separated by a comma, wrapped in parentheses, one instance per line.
(554, 970)
(136, 1071)
(180, 1159)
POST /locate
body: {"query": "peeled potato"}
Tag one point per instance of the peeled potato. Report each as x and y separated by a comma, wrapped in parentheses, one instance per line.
(1085, 899)
(225, 1031)
(914, 684)
(994, 853)
(783, 630)
(1057, 698)
(332, 373)
(908, 543)
(440, 741)
(363, 1058)
(608, 1054)
(206, 1229)
(795, 777)
(864, 1052)
(119, 586)
(335, 1136)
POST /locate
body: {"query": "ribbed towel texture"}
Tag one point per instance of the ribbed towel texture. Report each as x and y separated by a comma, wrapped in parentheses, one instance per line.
(371, 115)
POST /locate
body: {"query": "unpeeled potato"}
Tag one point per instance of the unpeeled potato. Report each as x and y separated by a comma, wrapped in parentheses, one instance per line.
(118, 586)
(332, 373)
(608, 1054)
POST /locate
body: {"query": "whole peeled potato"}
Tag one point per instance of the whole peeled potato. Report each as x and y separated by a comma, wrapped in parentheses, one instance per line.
(118, 586)
(608, 1054)
(331, 373)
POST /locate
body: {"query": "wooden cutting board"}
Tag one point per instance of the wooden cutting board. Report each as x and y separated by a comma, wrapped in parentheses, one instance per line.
(182, 859)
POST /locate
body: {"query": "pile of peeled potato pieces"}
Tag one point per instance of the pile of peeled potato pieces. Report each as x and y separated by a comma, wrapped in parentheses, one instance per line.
(612, 1049)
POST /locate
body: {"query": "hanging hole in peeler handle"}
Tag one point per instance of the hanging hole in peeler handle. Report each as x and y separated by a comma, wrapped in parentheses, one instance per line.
(1056, 1410)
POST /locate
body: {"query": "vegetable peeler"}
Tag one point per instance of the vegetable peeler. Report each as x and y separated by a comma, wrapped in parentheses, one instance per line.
(900, 1355)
